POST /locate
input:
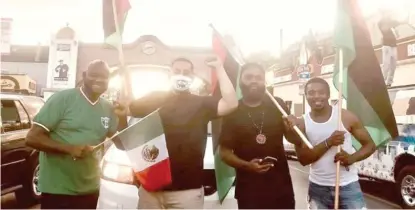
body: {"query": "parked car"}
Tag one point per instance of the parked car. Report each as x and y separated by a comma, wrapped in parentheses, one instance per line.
(394, 162)
(19, 163)
(119, 189)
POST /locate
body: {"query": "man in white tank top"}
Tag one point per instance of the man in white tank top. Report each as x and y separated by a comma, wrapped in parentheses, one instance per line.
(321, 128)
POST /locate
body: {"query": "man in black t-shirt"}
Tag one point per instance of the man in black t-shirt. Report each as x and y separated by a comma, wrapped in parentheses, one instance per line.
(249, 135)
(185, 118)
(389, 52)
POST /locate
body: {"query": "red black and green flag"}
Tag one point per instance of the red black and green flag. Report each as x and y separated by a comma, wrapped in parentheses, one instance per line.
(363, 84)
(112, 36)
(225, 175)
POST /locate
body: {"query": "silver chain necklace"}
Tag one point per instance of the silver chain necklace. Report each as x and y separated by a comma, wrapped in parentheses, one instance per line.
(260, 138)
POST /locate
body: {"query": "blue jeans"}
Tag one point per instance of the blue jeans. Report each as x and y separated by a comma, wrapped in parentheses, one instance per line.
(322, 197)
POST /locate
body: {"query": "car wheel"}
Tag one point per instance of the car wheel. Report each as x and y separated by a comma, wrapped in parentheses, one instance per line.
(30, 193)
(406, 186)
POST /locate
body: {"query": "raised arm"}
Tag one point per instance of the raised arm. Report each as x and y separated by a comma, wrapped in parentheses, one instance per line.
(145, 105)
(229, 101)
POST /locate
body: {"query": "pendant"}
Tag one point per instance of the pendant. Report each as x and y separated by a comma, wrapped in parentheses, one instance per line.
(261, 138)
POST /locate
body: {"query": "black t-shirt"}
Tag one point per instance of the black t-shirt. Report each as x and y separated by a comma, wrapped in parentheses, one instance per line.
(239, 134)
(184, 118)
(388, 37)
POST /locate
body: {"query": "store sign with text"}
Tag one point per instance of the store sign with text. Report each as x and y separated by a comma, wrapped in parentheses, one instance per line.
(284, 78)
(9, 83)
(329, 68)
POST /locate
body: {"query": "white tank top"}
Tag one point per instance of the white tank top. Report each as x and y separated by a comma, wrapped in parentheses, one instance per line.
(323, 171)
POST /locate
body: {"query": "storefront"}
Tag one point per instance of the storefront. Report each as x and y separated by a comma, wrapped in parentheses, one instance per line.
(64, 60)
(288, 86)
(17, 83)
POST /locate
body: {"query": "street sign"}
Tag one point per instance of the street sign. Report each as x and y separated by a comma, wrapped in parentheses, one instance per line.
(304, 72)
(304, 75)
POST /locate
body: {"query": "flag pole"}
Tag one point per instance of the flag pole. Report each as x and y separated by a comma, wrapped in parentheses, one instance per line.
(339, 127)
(125, 74)
(296, 129)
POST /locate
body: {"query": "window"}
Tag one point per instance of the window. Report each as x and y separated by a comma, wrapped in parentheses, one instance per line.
(9, 116)
(24, 118)
(33, 105)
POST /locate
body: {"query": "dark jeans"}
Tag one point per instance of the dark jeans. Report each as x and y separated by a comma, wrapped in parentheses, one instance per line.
(55, 201)
(261, 203)
(322, 197)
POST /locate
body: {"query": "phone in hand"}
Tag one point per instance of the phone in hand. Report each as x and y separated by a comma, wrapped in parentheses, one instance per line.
(269, 160)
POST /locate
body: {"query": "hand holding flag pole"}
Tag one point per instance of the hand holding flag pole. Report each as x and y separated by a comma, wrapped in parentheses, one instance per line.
(127, 91)
(339, 127)
(116, 7)
(297, 130)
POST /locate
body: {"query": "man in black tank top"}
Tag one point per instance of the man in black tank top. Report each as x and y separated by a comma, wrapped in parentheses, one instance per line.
(251, 134)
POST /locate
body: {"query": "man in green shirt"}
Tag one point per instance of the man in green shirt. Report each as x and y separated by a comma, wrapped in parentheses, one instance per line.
(64, 131)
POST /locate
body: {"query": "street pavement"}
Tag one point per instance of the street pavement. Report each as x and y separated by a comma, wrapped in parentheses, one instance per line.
(376, 200)
(378, 196)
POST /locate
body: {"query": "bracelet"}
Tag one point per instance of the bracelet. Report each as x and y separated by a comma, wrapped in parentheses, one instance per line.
(325, 142)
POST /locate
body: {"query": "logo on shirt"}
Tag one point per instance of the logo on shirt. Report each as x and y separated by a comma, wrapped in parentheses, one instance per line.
(150, 153)
(105, 122)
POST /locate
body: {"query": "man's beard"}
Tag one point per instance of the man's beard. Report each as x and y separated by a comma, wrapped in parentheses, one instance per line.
(256, 95)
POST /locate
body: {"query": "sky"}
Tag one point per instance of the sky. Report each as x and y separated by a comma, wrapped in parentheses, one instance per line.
(254, 24)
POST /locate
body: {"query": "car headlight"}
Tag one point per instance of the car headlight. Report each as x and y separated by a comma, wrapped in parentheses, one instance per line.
(117, 173)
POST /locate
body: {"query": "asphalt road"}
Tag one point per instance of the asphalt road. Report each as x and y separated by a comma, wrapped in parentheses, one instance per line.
(378, 196)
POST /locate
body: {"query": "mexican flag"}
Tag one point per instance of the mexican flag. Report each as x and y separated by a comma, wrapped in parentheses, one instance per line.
(112, 36)
(225, 175)
(363, 84)
(145, 145)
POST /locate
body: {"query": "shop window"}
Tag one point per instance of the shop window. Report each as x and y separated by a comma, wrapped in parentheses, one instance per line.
(9, 116)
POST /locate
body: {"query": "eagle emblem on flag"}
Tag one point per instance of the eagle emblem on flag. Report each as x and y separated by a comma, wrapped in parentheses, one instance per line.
(150, 153)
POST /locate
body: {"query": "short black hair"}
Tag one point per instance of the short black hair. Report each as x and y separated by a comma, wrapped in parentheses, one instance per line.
(183, 59)
(252, 65)
(317, 80)
(98, 64)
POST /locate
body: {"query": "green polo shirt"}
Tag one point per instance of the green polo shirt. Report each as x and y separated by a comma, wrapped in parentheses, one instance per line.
(71, 118)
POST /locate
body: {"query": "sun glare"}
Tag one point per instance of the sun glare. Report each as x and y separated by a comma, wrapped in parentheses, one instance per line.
(146, 81)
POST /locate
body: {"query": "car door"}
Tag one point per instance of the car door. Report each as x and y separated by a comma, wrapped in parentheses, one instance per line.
(32, 105)
(15, 125)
